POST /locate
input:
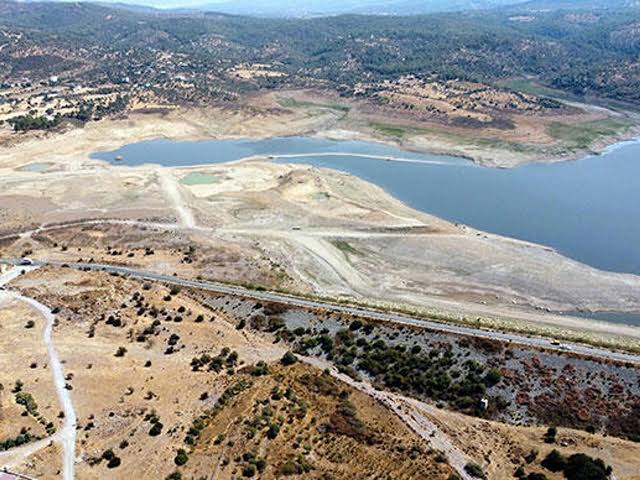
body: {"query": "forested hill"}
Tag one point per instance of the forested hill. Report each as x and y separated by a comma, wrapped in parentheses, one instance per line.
(580, 51)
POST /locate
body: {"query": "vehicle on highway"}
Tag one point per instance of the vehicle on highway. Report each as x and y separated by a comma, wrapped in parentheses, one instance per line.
(26, 261)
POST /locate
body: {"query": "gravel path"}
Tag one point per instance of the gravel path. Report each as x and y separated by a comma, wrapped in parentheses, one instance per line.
(67, 434)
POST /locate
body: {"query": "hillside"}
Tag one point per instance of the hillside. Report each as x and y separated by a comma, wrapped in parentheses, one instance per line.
(583, 55)
(369, 7)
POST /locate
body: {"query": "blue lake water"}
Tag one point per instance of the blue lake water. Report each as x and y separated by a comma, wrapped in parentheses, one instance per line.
(588, 210)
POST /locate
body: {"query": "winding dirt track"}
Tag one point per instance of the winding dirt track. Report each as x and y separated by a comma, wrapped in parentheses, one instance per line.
(67, 435)
(412, 412)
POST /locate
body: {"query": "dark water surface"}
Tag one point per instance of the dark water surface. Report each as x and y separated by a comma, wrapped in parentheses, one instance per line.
(588, 210)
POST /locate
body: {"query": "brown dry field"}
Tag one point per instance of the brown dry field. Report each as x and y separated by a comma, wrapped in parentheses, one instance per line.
(113, 396)
(507, 445)
(374, 444)
(24, 358)
(486, 141)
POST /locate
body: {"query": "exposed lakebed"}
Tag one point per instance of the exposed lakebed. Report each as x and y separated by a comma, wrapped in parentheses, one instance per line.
(588, 210)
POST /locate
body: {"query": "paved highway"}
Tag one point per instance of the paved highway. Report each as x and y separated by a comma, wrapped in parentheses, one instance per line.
(400, 319)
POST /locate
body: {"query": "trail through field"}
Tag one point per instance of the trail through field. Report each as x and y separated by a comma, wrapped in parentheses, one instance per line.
(171, 188)
(67, 434)
(412, 412)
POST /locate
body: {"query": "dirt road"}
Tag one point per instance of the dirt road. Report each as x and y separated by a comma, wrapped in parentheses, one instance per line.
(409, 411)
(67, 434)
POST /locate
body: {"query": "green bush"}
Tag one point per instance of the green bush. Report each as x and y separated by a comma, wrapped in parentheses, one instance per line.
(288, 359)
(536, 476)
(249, 470)
(492, 377)
(26, 399)
(555, 461)
(474, 470)
(156, 429)
(582, 467)
(273, 431)
(181, 457)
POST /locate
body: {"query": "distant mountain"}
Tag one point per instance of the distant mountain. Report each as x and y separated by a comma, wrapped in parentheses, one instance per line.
(578, 4)
(316, 8)
(310, 8)
(305, 8)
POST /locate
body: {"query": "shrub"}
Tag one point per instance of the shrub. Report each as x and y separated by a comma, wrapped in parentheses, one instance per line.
(26, 400)
(555, 461)
(108, 454)
(536, 476)
(531, 456)
(181, 457)
(474, 470)
(273, 431)
(550, 436)
(355, 325)
(288, 359)
(121, 352)
(582, 467)
(249, 470)
(156, 429)
(492, 377)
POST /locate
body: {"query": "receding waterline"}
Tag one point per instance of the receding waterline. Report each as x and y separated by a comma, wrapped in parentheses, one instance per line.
(588, 210)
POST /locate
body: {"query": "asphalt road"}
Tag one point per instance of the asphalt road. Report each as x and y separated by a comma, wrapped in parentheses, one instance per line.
(266, 296)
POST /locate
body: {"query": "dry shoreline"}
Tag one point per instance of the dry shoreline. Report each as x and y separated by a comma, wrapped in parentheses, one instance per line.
(194, 125)
(71, 154)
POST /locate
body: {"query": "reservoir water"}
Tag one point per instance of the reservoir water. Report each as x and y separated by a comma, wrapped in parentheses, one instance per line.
(588, 210)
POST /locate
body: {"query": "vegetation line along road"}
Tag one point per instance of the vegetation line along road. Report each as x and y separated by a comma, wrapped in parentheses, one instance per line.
(67, 435)
(390, 317)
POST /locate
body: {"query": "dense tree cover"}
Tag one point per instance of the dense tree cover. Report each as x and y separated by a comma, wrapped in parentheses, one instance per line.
(435, 373)
(23, 123)
(582, 53)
